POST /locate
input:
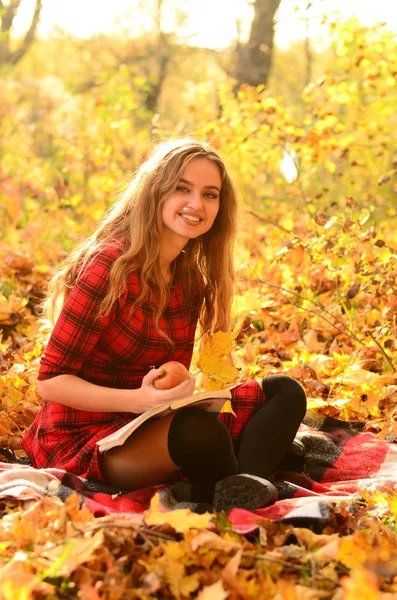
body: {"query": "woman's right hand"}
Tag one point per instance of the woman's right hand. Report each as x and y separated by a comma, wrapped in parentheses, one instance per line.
(152, 397)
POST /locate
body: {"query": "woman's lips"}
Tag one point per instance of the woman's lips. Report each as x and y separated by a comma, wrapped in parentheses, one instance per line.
(190, 218)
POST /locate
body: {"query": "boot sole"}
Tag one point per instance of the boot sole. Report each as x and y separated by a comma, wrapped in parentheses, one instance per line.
(244, 491)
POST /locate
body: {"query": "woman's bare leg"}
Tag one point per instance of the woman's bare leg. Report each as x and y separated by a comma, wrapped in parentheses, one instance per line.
(143, 460)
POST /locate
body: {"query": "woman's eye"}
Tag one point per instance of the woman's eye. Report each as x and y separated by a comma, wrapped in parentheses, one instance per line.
(180, 188)
(211, 195)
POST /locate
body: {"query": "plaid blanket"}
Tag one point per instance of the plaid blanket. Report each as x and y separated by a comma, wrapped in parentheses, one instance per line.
(342, 460)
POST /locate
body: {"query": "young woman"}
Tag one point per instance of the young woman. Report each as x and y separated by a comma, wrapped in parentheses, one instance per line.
(130, 298)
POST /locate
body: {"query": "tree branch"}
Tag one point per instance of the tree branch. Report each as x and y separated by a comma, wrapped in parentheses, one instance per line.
(387, 357)
(270, 222)
(30, 34)
(8, 15)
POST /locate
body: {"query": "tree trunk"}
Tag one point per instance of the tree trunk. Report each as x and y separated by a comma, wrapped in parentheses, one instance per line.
(153, 95)
(7, 15)
(255, 57)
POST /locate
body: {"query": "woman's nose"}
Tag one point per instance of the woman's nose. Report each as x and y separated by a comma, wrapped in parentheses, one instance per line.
(195, 200)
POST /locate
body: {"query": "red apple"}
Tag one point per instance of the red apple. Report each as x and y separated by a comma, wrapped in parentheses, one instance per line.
(174, 374)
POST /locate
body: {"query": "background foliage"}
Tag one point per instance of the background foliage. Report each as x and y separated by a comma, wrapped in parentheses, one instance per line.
(315, 163)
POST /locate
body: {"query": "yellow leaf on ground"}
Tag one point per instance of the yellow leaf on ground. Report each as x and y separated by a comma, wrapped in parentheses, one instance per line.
(314, 403)
(229, 573)
(181, 585)
(212, 540)
(353, 550)
(181, 520)
(65, 558)
(328, 551)
(291, 591)
(78, 514)
(361, 549)
(354, 376)
(361, 584)
(323, 365)
(215, 591)
(10, 396)
(19, 582)
(171, 566)
(287, 591)
(14, 591)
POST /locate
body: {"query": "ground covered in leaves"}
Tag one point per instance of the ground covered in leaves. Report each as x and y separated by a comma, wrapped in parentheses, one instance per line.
(334, 330)
(57, 550)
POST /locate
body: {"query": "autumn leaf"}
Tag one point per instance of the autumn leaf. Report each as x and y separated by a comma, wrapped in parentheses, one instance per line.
(210, 539)
(181, 584)
(19, 262)
(216, 591)
(212, 360)
(19, 582)
(230, 574)
(362, 583)
(63, 559)
(9, 307)
(181, 520)
(15, 591)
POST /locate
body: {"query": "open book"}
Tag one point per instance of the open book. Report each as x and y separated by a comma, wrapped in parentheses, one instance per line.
(211, 401)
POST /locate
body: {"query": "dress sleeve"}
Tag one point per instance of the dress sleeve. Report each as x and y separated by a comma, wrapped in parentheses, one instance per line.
(79, 327)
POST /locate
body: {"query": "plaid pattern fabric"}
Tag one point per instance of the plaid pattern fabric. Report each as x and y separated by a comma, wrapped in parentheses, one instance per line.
(342, 461)
(247, 398)
(114, 351)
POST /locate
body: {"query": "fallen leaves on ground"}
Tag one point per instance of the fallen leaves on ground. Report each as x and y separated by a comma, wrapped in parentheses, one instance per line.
(53, 549)
(290, 317)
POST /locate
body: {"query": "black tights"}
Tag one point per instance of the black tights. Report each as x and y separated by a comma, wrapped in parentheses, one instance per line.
(201, 445)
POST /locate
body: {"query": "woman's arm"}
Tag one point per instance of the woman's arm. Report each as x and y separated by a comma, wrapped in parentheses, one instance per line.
(75, 392)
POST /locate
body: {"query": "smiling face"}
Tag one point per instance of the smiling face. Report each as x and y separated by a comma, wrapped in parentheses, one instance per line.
(191, 210)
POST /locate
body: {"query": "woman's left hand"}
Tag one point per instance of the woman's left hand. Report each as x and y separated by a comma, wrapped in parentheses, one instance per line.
(152, 397)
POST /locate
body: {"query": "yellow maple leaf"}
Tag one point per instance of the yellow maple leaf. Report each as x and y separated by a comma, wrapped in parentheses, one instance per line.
(10, 396)
(180, 519)
(362, 584)
(375, 498)
(354, 550)
(212, 360)
(181, 585)
(12, 591)
(19, 582)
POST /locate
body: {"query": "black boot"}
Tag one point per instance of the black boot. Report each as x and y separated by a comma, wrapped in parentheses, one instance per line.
(294, 460)
(235, 491)
(244, 491)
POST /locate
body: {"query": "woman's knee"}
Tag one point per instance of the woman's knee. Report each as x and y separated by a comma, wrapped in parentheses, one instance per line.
(276, 386)
(195, 431)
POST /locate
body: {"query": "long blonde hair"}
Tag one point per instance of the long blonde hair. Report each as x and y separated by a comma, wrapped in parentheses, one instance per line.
(134, 221)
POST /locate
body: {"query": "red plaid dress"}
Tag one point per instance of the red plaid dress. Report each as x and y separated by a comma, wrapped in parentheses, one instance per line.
(113, 351)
